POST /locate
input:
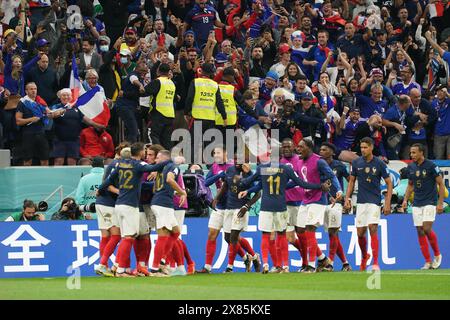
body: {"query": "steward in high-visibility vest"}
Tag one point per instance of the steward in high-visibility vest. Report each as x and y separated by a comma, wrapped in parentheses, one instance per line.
(231, 97)
(227, 94)
(204, 101)
(162, 92)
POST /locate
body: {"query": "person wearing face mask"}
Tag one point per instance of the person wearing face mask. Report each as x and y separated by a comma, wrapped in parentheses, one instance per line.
(127, 66)
(109, 72)
(103, 45)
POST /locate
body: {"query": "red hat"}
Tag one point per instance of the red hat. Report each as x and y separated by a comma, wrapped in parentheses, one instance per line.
(131, 30)
(284, 48)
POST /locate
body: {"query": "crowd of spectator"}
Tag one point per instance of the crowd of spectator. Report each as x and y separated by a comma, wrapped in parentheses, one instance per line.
(335, 71)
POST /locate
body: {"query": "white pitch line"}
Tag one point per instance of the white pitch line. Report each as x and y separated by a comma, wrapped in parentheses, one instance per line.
(414, 274)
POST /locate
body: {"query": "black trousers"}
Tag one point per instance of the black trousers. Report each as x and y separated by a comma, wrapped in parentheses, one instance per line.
(198, 144)
(161, 130)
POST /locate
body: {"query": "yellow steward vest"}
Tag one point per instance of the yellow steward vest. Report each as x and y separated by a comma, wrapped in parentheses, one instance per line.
(164, 98)
(227, 94)
(204, 104)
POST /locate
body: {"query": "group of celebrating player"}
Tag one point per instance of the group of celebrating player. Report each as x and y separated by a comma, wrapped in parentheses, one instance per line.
(299, 193)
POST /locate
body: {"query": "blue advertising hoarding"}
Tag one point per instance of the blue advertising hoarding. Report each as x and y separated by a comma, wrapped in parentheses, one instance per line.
(56, 248)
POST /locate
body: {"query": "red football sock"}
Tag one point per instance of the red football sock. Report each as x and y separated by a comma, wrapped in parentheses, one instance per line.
(187, 256)
(362, 241)
(240, 251)
(170, 243)
(340, 250)
(246, 246)
(159, 251)
(265, 244)
(279, 255)
(103, 242)
(432, 238)
(109, 249)
(177, 252)
(374, 245)
(333, 246)
(282, 244)
(232, 251)
(170, 261)
(312, 246)
(146, 248)
(274, 253)
(297, 245)
(423, 241)
(116, 261)
(303, 247)
(125, 250)
(210, 251)
(137, 246)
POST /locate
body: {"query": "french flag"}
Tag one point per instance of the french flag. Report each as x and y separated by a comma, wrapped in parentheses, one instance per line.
(437, 9)
(93, 105)
(39, 3)
(75, 84)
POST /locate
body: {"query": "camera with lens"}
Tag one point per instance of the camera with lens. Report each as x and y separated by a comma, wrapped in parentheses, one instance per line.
(42, 206)
(88, 207)
(72, 207)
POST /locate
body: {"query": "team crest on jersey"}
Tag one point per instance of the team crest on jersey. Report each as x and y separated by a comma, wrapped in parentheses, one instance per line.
(424, 172)
(417, 173)
(335, 171)
(374, 170)
(367, 170)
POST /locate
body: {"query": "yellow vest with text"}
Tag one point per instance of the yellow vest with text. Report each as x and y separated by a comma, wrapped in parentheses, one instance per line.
(164, 98)
(204, 104)
(227, 94)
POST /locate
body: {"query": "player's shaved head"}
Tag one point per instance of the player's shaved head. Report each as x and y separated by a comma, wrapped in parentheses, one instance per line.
(366, 146)
(137, 149)
(367, 140)
(125, 153)
(287, 148)
(165, 154)
(306, 147)
(417, 152)
(327, 150)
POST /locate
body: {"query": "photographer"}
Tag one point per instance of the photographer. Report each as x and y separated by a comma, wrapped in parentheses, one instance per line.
(69, 211)
(88, 185)
(28, 213)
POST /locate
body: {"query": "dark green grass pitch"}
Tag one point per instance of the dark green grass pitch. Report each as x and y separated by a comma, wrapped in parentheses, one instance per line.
(406, 284)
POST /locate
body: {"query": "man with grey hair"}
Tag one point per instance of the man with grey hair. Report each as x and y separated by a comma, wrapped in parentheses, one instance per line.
(396, 119)
(373, 104)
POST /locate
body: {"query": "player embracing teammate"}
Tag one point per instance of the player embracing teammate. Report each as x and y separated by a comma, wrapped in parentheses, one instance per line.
(272, 178)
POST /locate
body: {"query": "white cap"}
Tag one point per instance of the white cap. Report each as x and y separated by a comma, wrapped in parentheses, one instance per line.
(125, 52)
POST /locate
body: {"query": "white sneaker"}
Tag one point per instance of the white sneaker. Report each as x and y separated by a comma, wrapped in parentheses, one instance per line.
(285, 269)
(165, 269)
(427, 266)
(437, 261)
